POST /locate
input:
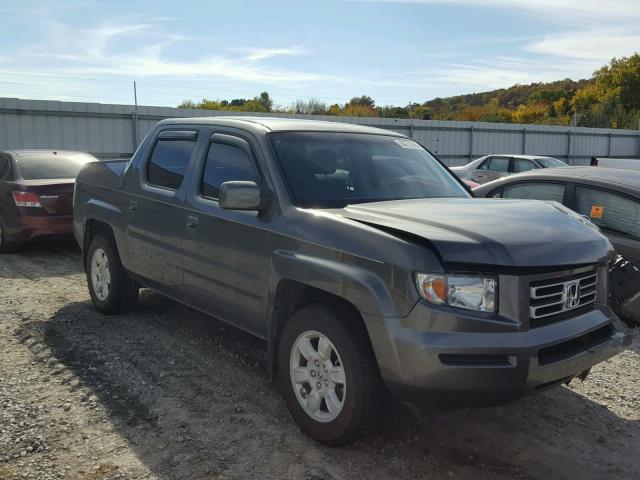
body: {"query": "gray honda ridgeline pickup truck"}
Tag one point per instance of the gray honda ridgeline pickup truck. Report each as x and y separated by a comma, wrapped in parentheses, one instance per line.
(364, 263)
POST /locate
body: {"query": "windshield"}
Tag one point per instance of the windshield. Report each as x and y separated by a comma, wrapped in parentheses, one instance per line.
(44, 167)
(329, 170)
(550, 162)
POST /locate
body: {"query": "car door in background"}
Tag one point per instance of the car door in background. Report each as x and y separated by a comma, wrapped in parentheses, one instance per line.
(547, 191)
(226, 256)
(491, 169)
(618, 216)
(520, 165)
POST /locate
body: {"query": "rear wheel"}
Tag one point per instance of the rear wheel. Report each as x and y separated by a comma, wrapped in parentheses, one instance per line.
(329, 376)
(111, 288)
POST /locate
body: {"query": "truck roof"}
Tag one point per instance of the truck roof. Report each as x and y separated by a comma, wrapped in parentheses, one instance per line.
(43, 151)
(274, 124)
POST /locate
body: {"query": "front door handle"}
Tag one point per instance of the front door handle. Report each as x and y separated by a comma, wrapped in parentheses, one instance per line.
(192, 221)
(133, 205)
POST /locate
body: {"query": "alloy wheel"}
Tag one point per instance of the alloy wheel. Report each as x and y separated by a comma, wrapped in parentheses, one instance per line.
(100, 274)
(318, 376)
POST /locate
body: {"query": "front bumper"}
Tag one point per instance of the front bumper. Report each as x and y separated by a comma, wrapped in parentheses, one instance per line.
(488, 365)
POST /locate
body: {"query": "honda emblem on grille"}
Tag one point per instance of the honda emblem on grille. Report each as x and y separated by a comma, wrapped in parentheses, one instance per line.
(572, 294)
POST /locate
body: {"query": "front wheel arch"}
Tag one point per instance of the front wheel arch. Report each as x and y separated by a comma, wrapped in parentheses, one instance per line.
(290, 296)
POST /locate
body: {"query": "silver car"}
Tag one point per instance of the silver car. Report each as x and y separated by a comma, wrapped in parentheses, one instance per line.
(492, 167)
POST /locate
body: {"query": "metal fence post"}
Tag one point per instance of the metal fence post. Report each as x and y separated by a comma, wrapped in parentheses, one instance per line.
(569, 132)
(134, 131)
(524, 141)
(609, 146)
(471, 143)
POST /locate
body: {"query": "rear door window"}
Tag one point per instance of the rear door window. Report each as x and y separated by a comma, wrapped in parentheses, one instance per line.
(226, 163)
(535, 191)
(523, 165)
(610, 211)
(496, 164)
(169, 161)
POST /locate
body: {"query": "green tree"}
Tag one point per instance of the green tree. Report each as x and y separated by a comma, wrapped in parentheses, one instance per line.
(266, 101)
(364, 101)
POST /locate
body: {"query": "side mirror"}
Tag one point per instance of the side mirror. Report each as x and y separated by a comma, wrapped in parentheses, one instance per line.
(240, 195)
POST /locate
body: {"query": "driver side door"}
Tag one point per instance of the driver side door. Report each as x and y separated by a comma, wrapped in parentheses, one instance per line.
(226, 252)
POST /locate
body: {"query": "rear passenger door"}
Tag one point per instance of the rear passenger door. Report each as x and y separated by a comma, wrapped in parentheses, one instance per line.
(156, 214)
(520, 165)
(491, 169)
(226, 252)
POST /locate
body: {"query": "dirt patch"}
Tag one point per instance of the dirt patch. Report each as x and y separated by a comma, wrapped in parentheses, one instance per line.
(165, 392)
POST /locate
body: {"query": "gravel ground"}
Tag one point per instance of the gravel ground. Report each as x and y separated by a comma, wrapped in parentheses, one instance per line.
(165, 392)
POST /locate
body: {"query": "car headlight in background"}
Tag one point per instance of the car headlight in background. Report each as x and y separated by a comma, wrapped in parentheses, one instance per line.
(471, 292)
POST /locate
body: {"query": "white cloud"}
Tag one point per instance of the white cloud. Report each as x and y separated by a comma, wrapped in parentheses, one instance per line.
(599, 45)
(254, 54)
(153, 64)
(93, 51)
(594, 31)
(566, 11)
(97, 39)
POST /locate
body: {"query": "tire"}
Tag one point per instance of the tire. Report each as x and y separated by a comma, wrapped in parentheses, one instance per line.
(111, 288)
(362, 396)
(5, 245)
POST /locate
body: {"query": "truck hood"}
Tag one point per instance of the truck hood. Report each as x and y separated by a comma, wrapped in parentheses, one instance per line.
(493, 232)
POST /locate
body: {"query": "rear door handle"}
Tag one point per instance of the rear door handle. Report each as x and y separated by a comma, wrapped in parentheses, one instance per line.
(192, 221)
(133, 206)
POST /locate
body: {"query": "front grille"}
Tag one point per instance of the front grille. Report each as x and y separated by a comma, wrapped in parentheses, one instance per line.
(555, 299)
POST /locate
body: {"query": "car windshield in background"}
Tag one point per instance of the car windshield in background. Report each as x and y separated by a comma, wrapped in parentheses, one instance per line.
(551, 162)
(45, 167)
(329, 170)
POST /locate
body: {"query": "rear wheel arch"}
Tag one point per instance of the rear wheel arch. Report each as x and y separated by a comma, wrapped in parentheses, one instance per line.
(111, 288)
(93, 228)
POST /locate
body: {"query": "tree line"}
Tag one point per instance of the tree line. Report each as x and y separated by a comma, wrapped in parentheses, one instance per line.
(610, 99)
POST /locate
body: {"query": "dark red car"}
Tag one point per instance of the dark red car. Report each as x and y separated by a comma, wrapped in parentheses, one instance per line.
(36, 194)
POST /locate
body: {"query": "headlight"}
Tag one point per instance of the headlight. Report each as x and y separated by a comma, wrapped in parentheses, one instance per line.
(471, 292)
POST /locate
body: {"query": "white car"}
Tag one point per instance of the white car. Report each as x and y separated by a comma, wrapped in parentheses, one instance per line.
(492, 167)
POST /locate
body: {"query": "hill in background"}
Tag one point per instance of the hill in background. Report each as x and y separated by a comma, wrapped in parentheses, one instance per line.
(610, 99)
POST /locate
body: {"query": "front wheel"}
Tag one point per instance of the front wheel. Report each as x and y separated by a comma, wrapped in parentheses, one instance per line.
(329, 376)
(111, 288)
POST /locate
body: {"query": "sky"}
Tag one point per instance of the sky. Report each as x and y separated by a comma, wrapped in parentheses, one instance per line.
(396, 51)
